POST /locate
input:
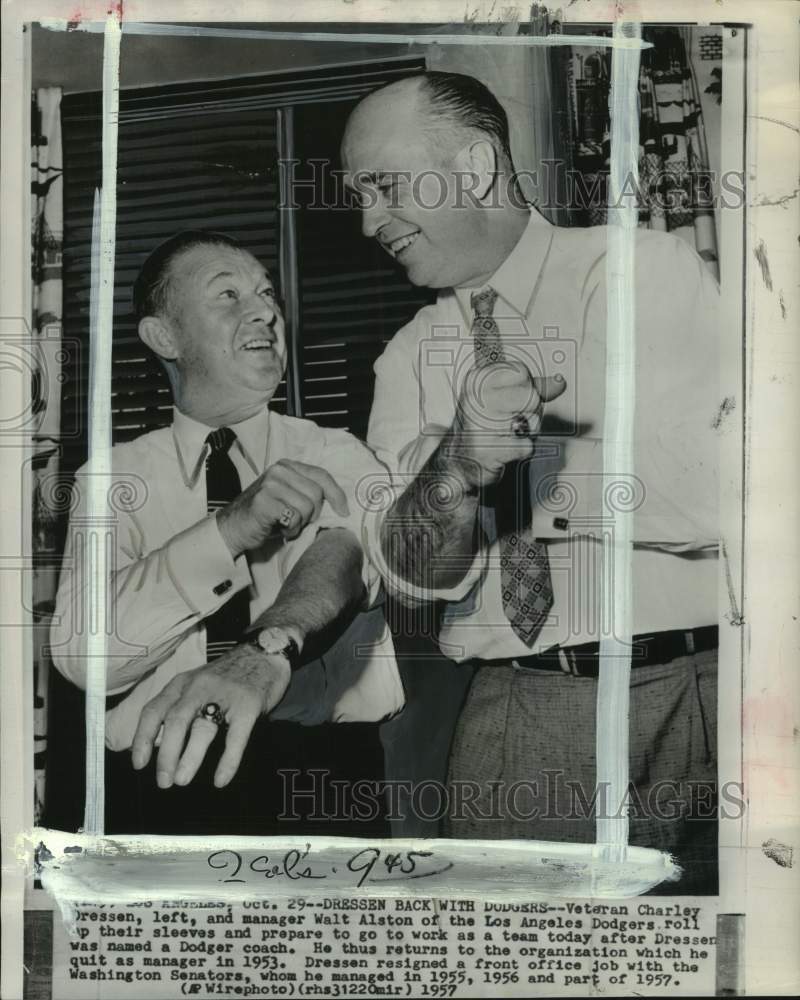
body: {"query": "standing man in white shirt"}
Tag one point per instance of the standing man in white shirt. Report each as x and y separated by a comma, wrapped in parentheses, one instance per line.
(239, 592)
(488, 409)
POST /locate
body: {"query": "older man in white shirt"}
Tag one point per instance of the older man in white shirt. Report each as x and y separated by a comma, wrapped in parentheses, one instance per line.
(489, 409)
(236, 541)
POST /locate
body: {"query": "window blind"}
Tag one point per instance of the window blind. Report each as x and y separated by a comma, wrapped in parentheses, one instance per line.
(205, 155)
(206, 170)
(353, 298)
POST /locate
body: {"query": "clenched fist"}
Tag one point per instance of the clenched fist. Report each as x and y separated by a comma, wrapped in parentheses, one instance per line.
(482, 435)
(290, 490)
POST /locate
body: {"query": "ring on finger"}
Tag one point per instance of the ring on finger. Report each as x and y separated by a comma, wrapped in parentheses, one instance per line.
(211, 712)
(287, 516)
(520, 427)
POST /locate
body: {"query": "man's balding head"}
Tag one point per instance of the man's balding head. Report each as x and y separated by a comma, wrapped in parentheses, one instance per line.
(429, 157)
(450, 108)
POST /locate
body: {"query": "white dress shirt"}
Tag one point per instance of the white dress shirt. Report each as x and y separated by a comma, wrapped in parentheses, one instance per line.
(551, 312)
(172, 569)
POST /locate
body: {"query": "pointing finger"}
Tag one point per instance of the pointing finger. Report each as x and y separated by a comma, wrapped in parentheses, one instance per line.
(550, 387)
(176, 725)
(331, 490)
(150, 722)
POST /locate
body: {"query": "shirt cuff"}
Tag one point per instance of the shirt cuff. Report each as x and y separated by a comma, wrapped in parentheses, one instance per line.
(397, 585)
(202, 568)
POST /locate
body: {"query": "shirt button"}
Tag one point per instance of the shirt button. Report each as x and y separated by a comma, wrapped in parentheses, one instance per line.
(222, 588)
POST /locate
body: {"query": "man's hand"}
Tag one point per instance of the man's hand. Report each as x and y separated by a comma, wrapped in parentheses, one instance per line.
(244, 683)
(482, 440)
(256, 513)
(432, 544)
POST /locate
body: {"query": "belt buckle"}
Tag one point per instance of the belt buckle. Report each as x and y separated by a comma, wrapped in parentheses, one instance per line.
(568, 662)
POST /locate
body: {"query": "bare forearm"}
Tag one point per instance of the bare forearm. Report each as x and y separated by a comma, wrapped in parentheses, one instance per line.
(430, 535)
(323, 591)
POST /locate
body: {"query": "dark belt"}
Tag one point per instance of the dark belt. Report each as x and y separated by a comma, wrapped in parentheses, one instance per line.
(655, 648)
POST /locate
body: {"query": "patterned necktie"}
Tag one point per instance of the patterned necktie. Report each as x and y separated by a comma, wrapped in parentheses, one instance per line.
(524, 566)
(225, 627)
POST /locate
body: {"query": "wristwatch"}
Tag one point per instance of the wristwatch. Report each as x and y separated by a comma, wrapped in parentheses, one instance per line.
(277, 642)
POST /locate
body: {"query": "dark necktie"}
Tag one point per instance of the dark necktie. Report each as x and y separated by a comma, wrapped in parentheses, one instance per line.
(225, 627)
(524, 567)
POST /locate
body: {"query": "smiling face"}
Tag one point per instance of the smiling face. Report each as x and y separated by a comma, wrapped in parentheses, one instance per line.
(411, 191)
(225, 333)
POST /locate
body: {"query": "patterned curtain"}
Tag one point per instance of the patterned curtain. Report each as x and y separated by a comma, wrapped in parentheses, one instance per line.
(674, 189)
(556, 98)
(46, 243)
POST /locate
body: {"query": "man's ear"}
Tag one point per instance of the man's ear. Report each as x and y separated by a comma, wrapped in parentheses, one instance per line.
(479, 159)
(159, 336)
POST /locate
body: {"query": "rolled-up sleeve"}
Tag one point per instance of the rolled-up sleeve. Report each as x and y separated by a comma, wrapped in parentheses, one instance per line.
(153, 597)
(403, 436)
(357, 472)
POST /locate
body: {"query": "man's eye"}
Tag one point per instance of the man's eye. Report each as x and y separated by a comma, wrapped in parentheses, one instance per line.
(229, 293)
(268, 293)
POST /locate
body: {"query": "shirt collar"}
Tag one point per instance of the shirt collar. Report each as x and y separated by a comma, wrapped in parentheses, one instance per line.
(518, 276)
(190, 443)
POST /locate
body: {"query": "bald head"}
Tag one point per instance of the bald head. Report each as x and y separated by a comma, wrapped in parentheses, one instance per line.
(448, 109)
(398, 105)
(428, 157)
(397, 97)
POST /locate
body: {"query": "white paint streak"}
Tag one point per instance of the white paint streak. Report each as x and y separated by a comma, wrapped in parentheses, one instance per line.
(78, 868)
(613, 695)
(163, 869)
(99, 616)
(141, 28)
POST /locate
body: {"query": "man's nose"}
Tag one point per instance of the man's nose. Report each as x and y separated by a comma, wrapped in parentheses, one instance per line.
(373, 216)
(259, 309)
